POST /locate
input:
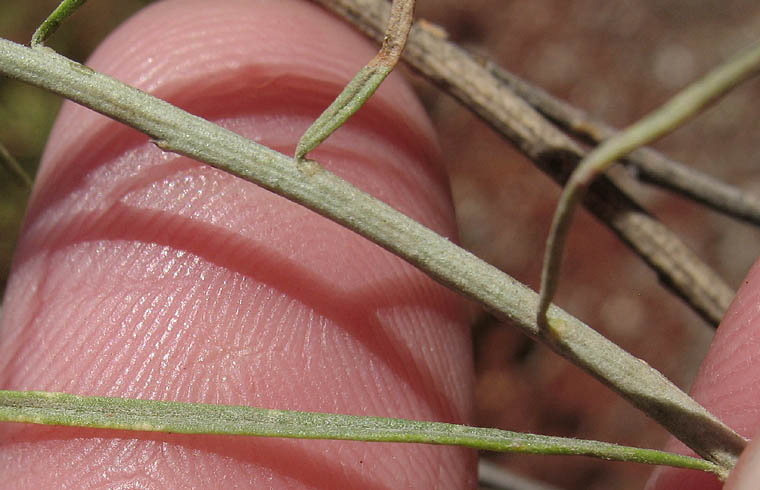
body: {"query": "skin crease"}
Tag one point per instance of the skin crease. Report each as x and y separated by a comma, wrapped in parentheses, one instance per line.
(147, 275)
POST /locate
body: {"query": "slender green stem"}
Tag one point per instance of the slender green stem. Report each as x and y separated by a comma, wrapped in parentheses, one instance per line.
(14, 168)
(306, 182)
(198, 418)
(364, 84)
(663, 120)
(350, 100)
(54, 20)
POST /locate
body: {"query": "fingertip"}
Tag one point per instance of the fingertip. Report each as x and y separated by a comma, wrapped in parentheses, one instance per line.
(727, 382)
(147, 275)
(746, 474)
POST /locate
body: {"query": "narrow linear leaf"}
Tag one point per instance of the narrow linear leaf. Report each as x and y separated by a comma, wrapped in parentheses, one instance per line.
(684, 105)
(54, 20)
(197, 418)
(364, 84)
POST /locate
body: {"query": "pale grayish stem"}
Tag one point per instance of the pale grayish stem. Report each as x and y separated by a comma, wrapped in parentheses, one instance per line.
(683, 106)
(646, 164)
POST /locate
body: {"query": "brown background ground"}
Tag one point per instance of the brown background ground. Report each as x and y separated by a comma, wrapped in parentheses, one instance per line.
(614, 59)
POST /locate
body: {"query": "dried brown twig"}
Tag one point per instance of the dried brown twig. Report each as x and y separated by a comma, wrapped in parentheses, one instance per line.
(473, 83)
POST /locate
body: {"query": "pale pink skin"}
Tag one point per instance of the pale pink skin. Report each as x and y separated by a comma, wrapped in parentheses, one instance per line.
(147, 275)
(728, 384)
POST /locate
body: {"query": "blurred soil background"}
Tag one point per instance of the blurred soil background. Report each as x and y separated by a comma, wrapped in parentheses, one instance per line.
(616, 60)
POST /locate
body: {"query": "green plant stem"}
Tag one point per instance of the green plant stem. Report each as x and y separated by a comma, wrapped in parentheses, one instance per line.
(198, 418)
(350, 100)
(306, 182)
(14, 168)
(365, 83)
(663, 120)
(54, 20)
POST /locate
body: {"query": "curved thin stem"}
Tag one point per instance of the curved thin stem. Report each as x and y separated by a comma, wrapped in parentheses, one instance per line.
(649, 165)
(665, 119)
(474, 83)
(364, 84)
(307, 183)
(54, 20)
(200, 418)
(14, 168)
